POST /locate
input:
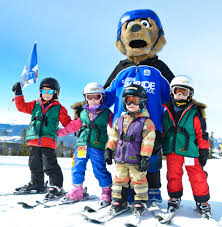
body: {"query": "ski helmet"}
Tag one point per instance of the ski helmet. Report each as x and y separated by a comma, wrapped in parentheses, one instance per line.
(93, 88)
(136, 14)
(183, 81)
(52, 83)
(135, 90)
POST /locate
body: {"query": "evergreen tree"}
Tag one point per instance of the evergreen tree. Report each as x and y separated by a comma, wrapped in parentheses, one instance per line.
(23, 147)
(211, 141)
(60, 150)
(5, 149)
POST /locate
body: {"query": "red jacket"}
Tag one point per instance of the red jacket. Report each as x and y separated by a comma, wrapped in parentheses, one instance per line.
(27, 107)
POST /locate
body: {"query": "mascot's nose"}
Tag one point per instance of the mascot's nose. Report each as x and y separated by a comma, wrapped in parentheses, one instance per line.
(135, 28)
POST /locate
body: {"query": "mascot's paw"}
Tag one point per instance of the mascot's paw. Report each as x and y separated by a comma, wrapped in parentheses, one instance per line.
(77, 108)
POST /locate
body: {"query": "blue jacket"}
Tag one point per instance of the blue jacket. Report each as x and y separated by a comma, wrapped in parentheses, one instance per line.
(151, 79)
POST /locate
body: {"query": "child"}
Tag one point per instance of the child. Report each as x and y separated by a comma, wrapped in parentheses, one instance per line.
(185, 142)
(91, 142)
(41, 136)
(131, 140)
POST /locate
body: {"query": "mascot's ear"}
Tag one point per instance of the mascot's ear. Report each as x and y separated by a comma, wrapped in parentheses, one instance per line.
(120, 47)
(77, 108)
(161, 42)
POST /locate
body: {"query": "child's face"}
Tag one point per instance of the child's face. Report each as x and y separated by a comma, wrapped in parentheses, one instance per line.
(93, 99)
(132, 103)
(180, 93)
(47, 93)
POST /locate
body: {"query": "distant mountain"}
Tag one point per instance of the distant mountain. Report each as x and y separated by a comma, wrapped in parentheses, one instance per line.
(13, 135)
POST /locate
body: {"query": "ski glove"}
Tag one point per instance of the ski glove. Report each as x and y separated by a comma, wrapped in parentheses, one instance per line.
(108, 155)
(17, 88)
(203, 156)
(144, 164)
(77, 109)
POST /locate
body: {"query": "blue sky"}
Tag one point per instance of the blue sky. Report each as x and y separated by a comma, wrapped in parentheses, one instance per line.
(76, 45)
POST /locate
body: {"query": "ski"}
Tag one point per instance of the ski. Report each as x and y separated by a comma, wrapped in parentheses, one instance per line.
(166, 218)
(98, 206)
(38, 202)
(103, 215)
(63, 200)
(135, 219)
(154, 209)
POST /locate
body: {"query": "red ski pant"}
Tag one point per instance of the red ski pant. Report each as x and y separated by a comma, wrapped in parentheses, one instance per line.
(197, 177)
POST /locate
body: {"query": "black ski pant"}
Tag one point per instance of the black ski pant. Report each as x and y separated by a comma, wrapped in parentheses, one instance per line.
(43, 160)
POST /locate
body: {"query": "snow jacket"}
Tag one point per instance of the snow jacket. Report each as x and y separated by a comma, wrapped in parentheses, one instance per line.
(185, 134)
(90, 130)
(126, 127)
(44, 122)
(152, 74)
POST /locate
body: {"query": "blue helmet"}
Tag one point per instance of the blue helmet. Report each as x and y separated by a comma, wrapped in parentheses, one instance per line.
(135, 14)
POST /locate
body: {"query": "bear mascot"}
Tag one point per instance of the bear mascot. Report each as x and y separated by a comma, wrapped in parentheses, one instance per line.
(140, 36)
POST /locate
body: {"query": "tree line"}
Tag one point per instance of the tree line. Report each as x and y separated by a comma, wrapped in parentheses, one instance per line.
(22, 149)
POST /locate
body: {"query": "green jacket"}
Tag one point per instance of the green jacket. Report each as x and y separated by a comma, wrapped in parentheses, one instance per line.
(43, 124)
(94, 134)
(180, 137)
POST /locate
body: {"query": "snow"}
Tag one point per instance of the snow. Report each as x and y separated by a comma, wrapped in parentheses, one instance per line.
(14, 172)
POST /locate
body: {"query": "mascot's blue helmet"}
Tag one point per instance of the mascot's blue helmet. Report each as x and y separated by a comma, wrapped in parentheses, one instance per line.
(135, 14)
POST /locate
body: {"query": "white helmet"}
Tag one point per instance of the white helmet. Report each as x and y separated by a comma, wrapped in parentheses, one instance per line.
(93, 88)
(182, 81)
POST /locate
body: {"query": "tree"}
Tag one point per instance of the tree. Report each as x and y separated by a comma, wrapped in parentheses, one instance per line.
(60, 150)
(211, 141)
(23, 147)
(4, 145)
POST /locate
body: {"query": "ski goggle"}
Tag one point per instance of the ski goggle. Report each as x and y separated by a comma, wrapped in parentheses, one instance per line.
(132, 99)
(50, 92)
(96, 97)
(177, 90)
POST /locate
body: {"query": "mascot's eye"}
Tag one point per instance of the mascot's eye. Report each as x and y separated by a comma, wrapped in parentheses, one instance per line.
(145, 23)
(129, 24)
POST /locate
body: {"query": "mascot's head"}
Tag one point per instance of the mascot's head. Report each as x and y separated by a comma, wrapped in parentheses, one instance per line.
(140, 35)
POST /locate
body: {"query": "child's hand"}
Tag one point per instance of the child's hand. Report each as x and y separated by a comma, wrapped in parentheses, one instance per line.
(108, 155)
(144, 164)
(17, 88)
(61, 132)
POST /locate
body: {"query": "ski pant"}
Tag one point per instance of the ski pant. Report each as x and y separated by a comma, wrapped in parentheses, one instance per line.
(197, 177)
(98, 164)
(155, 164)
(43, 159)
(126, 173)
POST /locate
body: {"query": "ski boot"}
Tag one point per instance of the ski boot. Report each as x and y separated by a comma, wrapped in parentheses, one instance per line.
(154, 195)
(118, 205)
(77, 193)
(139, 207)
(31, 188)
(54, 192)
(105, 198)
(173, 204)
(204, 210)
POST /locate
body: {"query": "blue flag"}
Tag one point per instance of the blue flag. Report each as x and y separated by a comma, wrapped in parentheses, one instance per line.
(30, 72)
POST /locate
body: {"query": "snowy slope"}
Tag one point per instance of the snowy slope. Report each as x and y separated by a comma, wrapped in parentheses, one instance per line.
(14, 172)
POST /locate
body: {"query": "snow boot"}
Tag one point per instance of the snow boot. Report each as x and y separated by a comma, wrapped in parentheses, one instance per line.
(139, 207)
(106, 195)
(77, 193)
(117, 206)
(173, 204)
(32, 188)
(154, 195)
(54, 192)
(204, 210)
